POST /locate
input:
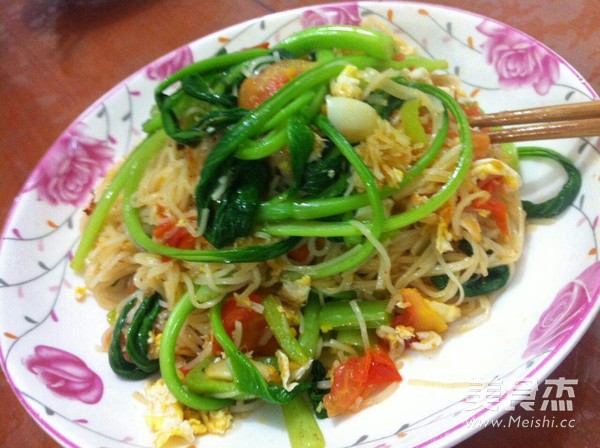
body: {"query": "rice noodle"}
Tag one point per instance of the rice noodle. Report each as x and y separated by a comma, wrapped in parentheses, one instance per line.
(362, 325)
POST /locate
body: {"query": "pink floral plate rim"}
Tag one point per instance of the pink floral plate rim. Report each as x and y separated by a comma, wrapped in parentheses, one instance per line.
(454, 434)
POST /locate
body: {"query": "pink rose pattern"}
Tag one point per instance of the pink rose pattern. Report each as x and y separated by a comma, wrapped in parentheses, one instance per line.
(343, 14)
(518, 60)
(68, 173)
(565, 314)
(65, 374)
(169, 64)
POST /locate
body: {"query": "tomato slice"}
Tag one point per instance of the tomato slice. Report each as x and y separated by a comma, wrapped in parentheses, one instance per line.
(360, 378)
(498, 212)
(254, 326)
(257, 89)
(497, 208)
(302, 252)
(173, 235)
(419, 315)
(493, 185)
(383, 370)
(471, 109)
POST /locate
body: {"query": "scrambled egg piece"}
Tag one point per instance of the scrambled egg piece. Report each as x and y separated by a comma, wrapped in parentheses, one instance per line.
(80, 293)
(396, 338)
(168, 419)
(444, 235)
(387, 152)
(154, 345)
(347, 84)
(283, 363)
(400, 332)
(484, 168)
(428, 340)
(295, 292)
(419, 74)
(212, 422)
(291, 371)
(443, 238)
(448, 312)
(165, 415)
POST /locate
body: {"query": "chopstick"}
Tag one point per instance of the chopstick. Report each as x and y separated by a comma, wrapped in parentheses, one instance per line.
(550, 122)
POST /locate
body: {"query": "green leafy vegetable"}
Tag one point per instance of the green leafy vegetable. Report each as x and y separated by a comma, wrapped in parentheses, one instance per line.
(117, 361)
(391, 105)
(568, 193)
(512, 153)
(440, 281)
(197, 87)
(361, 252)
(193, 85)
(478, 284)
(414, 60)
(411, 123)
(315, 393)
(354, 338)
(465, 246)
(267, 145)
(306, 209)
(139, 330)
(323, 172)
(352, 258)
(232, 215)
(208, 124)
(293, 111)
(301, 143)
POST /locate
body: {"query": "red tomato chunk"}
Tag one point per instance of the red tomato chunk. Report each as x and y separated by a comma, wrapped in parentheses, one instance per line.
(254, 327)
(358, 379)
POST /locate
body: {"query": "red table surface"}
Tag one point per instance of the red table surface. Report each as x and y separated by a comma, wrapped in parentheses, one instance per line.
(58, 56)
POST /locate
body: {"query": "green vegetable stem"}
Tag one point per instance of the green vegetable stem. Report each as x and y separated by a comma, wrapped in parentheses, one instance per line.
(339, 314)
(374, 43)
(278, 323)
(309, 337)
(168, 367)
(198, 382)
(303, 430)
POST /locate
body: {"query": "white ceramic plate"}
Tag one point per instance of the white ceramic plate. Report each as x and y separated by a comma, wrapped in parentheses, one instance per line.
(49, 339)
